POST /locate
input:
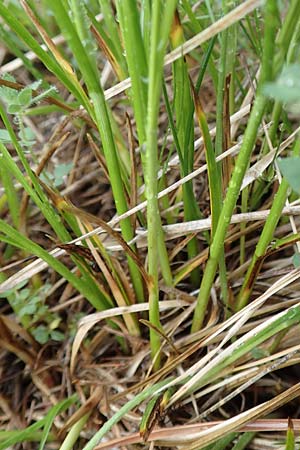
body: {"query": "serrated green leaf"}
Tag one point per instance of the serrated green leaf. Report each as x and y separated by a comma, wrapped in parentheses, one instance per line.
(14, 108)
(60, 172)
(8, 95)
(25, 97)
(283, 94)
(296, 260)
(6, 293)
(4, 136)
(23, 294)
(57, 335)
(286, 88)
(13, 291)
(27, 310)
(290, 169)
(29, 134)
(41, 334)
(258, 353)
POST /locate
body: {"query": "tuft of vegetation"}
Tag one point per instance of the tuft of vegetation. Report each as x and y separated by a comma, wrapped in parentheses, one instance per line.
(149, 214)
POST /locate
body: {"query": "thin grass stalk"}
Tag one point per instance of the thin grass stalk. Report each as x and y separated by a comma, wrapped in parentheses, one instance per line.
(33, 190)
(9, 41)
(284, 40)
(113, 278)
(102, 119)
(16, 239)
(262, 245)
(74, 433)
(231, 62)
(220, 98)
(11, 195)
(165, 202)
(246, 343)
(113, 31)
(15, 436)
(212, 168)
(189, 190)
(50, 417)
(242, 162)
(38, 195)
(164, 258)
(159, 36)
(146, 24)
(138, 70)
(58, 66)
(219, 145)
(243, 225)
(106, 45)
(183, 108)
(288, 27)
(44, 19)
(290, 442)
(127, 407)
(287, 39)
(222, 443)
(136, 61)
(288, 31)
(197, 28)
(29, 433)
(228, 59)
(243, 440)
(252, 32)
(86, 286)
(117, 187)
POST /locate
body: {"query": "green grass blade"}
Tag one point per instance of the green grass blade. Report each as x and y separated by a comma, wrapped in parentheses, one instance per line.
(223, 443)
(290, 436)
(34, 190)
(137, 399)
(65, 74)
(240, 167)
(138, 70)
(15, 238)
(183, 108)
(136, 60)
(13, 44)
(197, 27)
(11, 195)
(49, 419)
(212, 168)
(244, 440)
(284, 39)
(113, 32)
(74, 433)
(146, 24)
(28, 434)
(261, 247)
(159, 36)
(102, 118)
(245, 344)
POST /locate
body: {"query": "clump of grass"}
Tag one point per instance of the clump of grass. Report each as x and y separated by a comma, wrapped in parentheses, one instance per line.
(146, 244)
